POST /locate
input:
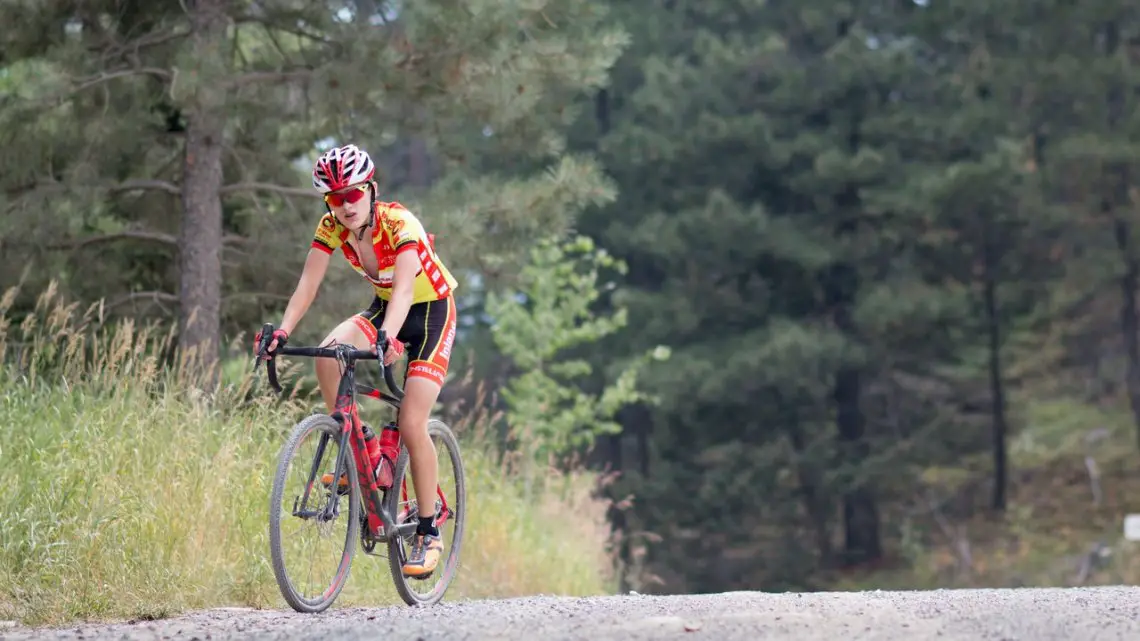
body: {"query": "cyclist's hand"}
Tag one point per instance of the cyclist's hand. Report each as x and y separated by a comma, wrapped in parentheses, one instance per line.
(280, 337)
(394, 350)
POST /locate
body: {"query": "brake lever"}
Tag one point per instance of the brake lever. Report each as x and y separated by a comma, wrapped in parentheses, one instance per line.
(266, 338)
(270, 364)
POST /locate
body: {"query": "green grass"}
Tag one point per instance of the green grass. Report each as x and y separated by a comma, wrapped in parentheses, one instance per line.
(125, 496)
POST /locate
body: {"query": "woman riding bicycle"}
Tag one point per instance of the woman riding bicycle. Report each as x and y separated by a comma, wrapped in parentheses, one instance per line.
(413, 303)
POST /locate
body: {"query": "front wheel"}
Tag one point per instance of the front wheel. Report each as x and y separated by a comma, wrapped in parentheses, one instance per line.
(450, 499)
(307, 463)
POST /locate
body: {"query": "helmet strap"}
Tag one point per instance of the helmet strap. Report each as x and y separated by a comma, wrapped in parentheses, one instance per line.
(371, 211)
(363, 230)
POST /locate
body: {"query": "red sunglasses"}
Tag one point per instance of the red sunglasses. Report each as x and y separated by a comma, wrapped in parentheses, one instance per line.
(351, 196)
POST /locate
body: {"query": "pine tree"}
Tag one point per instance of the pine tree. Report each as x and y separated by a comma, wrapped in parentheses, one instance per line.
(991, 232)
(129, 110)
(766, 159)
(1079, 118)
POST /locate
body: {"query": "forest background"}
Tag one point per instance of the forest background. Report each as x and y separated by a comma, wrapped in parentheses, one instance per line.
(777, 295)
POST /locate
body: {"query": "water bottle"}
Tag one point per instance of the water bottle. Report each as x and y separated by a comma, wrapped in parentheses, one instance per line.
(372, 443)
(389, 451)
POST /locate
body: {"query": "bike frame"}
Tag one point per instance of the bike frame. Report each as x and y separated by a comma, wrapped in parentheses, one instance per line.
(380, 523)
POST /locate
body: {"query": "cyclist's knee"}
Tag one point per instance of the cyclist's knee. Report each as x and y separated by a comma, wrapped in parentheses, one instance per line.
(420, 395)
(348, 332)
(352, 331)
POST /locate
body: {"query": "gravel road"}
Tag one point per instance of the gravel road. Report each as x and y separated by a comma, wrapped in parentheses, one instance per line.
(1087, 614)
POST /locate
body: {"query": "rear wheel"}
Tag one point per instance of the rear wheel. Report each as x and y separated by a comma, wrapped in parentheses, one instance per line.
(402, 503)
(311, 578)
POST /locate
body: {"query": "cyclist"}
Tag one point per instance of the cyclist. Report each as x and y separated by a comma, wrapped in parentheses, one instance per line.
(413, 303)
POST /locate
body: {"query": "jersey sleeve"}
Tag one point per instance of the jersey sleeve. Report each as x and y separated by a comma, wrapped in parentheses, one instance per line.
(327, 236)
(403, 228)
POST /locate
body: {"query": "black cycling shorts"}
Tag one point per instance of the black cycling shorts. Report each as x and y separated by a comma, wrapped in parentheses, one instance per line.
(428, 332)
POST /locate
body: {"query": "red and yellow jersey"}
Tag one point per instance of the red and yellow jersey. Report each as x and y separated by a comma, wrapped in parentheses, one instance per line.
(398, 230)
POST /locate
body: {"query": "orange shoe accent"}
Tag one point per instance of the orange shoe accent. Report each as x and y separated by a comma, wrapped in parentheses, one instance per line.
(425, 555)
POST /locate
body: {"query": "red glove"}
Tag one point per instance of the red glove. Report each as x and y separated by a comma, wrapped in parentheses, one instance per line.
(393, 350)
(280, 337)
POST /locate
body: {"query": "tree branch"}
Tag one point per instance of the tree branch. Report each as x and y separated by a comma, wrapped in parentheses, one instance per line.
(254, 77)
(276, 43)
(244, 296)
(126, 185)
(148, 40)
(135, 234)
(79, 85)
(162, 185)
(288, 25)
(159, 297)
(87, 83)
(171, 188)
(279, 189)
(153, 236)
(156, 297)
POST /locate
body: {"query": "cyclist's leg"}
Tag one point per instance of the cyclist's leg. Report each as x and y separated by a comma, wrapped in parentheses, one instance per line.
(359, 331)
(428, 360)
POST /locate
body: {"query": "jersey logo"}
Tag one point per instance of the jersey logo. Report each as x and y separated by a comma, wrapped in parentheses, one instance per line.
(399, 229)
(326, 231)
(393, 223)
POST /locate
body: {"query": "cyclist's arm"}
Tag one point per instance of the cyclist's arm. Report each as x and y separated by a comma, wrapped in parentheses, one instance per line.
(403, 289)
(316, 264)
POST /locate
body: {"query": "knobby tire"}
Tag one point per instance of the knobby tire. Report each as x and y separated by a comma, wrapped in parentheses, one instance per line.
(315, 422)
(458, 503)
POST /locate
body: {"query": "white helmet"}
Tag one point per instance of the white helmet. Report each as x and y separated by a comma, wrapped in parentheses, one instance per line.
(340, 167)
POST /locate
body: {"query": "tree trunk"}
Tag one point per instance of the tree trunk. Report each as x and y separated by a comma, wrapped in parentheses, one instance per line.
(814, 499)
(860, 510)
(862, 542)
(997, 388)
(201, 236)
(1129, 324)
(602, 111)
(616, 515)
(1130, 279)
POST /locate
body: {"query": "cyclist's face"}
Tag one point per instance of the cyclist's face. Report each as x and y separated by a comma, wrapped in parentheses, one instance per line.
(350, 205)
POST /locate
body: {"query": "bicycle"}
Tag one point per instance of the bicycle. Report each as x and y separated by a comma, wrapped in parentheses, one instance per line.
(372, 509)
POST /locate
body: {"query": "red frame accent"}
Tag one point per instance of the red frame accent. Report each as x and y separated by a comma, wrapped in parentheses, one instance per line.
(348, 407)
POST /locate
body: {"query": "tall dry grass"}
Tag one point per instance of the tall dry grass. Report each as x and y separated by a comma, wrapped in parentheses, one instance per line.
(127, 496)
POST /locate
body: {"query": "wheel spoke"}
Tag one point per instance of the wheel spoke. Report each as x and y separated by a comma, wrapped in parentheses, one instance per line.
(311, 554)
(452, 487)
